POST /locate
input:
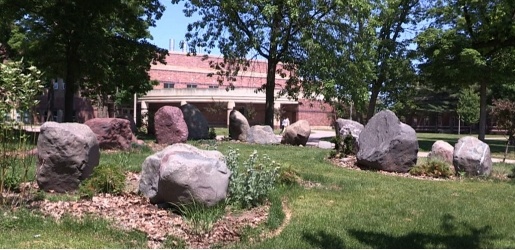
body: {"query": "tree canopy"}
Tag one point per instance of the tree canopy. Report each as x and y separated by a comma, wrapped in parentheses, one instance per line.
(96, 46)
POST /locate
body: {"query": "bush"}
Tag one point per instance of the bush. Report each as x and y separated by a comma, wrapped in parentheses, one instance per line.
(251, 182)
(212, 133)
(288, 176)
(200, 217)
(433, 168)
(106, 178)
(343, 147)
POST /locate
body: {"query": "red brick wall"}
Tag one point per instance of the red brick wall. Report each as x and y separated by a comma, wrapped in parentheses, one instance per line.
(315, 112)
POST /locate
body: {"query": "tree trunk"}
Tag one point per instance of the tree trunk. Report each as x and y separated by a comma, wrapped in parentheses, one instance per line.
(269, 90)
(373, 100)
(482, 112)
(70, 80)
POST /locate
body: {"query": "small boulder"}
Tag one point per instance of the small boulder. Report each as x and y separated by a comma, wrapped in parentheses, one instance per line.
(472, 156)
(238, 126)
(112, 133)
(345, 127)
(67, 154)
(198, 127)
(181, 173)
(262, 135)
(297, 133)
(442, 150)
(170, 126)
(387, 144)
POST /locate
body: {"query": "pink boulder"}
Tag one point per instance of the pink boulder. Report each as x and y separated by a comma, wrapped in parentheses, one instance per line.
(112, 133)
(170, 127)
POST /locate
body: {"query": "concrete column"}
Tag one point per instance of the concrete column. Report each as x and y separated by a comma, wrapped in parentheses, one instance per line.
(144, 114)
(277, 106)
(230, 106)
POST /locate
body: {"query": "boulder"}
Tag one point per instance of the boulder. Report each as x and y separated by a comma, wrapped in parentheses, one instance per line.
(472, 156)
(67, 154)
(129, 118)
(198, 127)
(387, 144)
(112, 133)
(181, 173)
(345, 127)
(238, 126)
(442, 150)
(297, 133)
(170, 126)
(262, 135)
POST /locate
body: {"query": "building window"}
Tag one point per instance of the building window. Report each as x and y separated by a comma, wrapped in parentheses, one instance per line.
(191, 86)
(213, 86)
(168, 85)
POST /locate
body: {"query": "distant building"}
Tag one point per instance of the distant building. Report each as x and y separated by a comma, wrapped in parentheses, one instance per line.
(184, 79)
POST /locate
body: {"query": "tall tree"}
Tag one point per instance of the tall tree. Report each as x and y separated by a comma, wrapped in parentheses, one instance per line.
(470, 42)
(468, 106)
(269, 29)
(94, 45)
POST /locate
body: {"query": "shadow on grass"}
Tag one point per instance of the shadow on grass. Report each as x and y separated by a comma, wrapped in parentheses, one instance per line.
(452, 235)
(322, 239)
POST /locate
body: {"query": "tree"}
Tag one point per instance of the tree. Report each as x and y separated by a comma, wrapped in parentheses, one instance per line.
(468, 106)
(470, 42)
(504, 113)
(96, 46)
(361, 53)
(270, 29)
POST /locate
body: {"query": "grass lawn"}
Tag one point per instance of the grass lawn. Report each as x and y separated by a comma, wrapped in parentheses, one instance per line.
(349, 209)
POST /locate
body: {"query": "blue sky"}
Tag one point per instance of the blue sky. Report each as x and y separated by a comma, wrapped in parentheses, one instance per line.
(172, 25)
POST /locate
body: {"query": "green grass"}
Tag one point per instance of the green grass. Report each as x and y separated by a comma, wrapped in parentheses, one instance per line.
(351, 209)
(25, 229)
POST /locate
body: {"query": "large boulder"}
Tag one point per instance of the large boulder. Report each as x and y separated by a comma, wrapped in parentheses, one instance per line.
(387, 144)
(181, 173)
(262, 135)
(67, 154)
(472, 156)
(345, 127)
(238, 126)
(170, 126)
(129, 118)
(112, 133)
(297, 133)
(198, 127)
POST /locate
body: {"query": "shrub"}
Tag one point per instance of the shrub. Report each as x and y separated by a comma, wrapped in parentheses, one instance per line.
(212, 133)
(288, 176)
(106, 178)
(433, 168)
(251, 182)
(343, 146)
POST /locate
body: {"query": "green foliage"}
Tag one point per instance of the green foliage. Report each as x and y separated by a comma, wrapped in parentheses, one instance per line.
(101, 49)
(250, 182)
(288, 176)
(343, 147)
(468, 106)
(201, 218)
(212, 133)
(433, 168)
(106, 178)
(19, 87)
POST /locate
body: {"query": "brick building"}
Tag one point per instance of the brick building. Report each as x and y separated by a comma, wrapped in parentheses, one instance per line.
(184, 79)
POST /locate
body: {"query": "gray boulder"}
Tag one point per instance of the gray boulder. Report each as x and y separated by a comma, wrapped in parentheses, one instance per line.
(387, 144)
(345, 127)
(472, 156)
(170, 126)
(238, 126)
(112, 133)
(181, 173)
(262, 135)
(297, 133)
(67, 154)
(198, 127)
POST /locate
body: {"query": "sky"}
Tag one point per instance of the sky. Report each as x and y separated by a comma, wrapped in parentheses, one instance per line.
(172, 25)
